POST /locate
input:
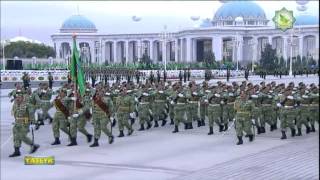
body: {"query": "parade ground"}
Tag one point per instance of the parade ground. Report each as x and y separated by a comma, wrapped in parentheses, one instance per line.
(158, 154)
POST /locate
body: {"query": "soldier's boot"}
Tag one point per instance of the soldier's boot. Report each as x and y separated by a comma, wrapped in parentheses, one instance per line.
(130, 132)
(56, 141)
(293, 132)
(210, 130)
(148, 125)
(89, 138)
(95, 143)
(73, 142)
(171, 121)
(34, 148)
(121, 133)
(307, 129)
(186, 126)
(220, 128)
(225, 127)
(284, 136)
(263, 130)
(271, 128)
(199, 123)
(110, 139)
(16, 152)
(230, 120)
(299, 132)
(258, 130)
(247, 135)
(240, 141)
(190, 125)
(156, 124)
(250, 137)
(313, 129)
(275, 126)
(164, 122)
(141, 127)
(203, 123)
(114, 122)
(175, 129)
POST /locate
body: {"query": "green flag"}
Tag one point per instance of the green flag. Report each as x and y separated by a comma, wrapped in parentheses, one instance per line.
(76, 71)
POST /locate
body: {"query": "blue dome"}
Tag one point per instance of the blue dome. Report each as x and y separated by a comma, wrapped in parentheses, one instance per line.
(306, 20)
(79, 23)
(206, 23)
(245, 9)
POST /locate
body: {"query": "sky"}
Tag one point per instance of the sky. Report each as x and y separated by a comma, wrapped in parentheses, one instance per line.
(39, 19)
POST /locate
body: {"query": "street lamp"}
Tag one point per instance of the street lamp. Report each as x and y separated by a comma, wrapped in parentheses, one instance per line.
(291, 43)
(164, 36)
(236, 43)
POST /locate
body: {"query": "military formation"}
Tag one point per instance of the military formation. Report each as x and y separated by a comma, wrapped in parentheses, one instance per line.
(249, 108)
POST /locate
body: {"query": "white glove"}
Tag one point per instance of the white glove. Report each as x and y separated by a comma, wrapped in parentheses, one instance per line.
(180, 95)
(44, 91)
(131, 115)
(111, 118)
(40, 111)
(171, 102)
(207, 91)
(75, 115)
(217, 95)
(73, 98)
(136, 99)
(230, 94)
(279, 105)
(51, 101)
(145, 94)
(160, 92)
(304, 96)
(194, 93)
(108, 94)
(252, 120)
(290, 97)
(69, 118)
(221, 102)
(206, 100)
(269, 96)
(254, 96)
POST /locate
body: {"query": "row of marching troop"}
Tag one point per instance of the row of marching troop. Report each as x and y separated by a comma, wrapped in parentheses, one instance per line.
(245, 106)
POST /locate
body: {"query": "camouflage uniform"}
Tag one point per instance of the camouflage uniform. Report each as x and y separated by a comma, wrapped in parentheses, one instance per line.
(214, 111)
(124, 106)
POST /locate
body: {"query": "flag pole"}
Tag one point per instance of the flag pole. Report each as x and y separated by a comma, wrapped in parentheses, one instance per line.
(75, 81)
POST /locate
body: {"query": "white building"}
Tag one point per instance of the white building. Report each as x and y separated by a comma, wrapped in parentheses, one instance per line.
(238, 31)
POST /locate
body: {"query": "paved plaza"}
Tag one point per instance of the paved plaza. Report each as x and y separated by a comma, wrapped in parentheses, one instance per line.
(158, 154)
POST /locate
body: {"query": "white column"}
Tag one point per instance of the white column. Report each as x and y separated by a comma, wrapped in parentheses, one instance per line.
(151, 50)
(103, 52)
(139, 46)
(300, 46)
(127, 51)
(194, 50)
(217, 47)
(188, 49)
(254, 49)
(115, 58)
(93, 57)
(58, 46)
(240, 49)
(317, 48)
(176, 48)
(182, 50)
(270, 40)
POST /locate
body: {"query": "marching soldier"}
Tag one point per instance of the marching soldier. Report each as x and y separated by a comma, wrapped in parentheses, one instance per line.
(204, 105)
(143, 108)
(180, 101)
(243, 108)
(124, 107)
(228, 108)
(215, 111)
(159, 104)
(102, 108)
(304, 111)
(314, 106)
(45, 97)
(20, 129)
(193, 106)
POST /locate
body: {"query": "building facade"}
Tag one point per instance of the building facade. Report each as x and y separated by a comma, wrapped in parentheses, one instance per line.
(238, 32)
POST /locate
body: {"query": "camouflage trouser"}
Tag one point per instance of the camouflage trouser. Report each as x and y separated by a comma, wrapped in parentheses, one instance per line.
(144, 114)
(214, 115)
(100, 123)
(123, 120)
(228, 113)
(304, 115)
(73, 126)
(179, 114)
(267, 116)
(31, 111)
(314, 115)
(192, 113)
(81, 123)
(243, 123)
(45, 108)
(287, 117)
(203, 111)
(256, 115)
(159, 111)
(59, 122)
(20, 132)
(171, 110)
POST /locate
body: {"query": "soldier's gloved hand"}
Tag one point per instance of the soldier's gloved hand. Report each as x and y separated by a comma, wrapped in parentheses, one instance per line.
(73, 98)
(32, 126)
(171, 102)
(75, 115)
(279, 105)
(132, 115)
(69, 118)
(51, 101)
(111, 118)
(80, 111)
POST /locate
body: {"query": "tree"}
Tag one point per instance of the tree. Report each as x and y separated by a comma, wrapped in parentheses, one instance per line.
(268, 58)
(23, 49)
